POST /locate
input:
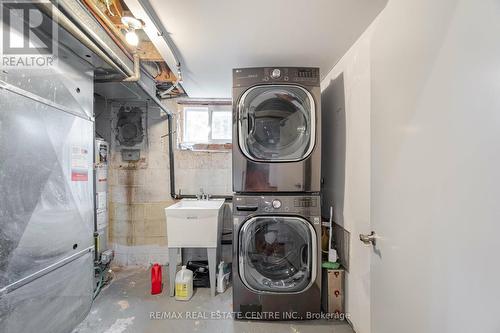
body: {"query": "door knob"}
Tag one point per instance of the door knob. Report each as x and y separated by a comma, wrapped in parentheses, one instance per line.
(368, 239)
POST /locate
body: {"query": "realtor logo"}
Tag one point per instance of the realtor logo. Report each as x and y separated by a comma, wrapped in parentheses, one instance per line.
(28, 34)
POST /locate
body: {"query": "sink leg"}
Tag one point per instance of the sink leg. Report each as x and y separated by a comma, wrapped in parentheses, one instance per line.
(172, 268)
(212, 267)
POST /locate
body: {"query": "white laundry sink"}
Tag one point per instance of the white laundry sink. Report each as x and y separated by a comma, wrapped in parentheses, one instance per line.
(194, 223)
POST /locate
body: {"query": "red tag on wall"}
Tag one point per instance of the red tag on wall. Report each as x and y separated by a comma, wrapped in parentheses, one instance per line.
(79, 176)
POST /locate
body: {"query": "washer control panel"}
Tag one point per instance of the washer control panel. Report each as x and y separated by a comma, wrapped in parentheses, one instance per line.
(289, 204)
(276, 204)
(305, 202)
(276, 73)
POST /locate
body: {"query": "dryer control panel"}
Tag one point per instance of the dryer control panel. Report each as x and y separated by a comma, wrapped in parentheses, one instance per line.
(246, 77)
(307, 205)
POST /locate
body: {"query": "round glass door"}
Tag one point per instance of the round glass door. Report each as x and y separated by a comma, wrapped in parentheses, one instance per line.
(277, 254)
(276, 123)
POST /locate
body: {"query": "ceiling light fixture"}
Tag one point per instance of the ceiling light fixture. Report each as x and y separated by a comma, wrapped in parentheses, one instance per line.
(132, 38)
(132, 24)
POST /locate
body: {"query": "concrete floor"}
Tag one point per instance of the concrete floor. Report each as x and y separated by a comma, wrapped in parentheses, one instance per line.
(127, 306)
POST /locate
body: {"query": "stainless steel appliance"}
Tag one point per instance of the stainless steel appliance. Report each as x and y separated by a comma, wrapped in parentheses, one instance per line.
(46, 195)
(276, 256)
(276, 130)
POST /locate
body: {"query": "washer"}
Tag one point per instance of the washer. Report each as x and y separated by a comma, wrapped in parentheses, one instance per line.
(276, 256)
(276, 130)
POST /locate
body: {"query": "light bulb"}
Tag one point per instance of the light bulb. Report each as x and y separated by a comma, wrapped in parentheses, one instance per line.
(132, 38)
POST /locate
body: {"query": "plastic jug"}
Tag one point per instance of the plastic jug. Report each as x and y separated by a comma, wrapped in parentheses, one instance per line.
(156, 284)
(332, 252)
(184, 284)
(222, 278)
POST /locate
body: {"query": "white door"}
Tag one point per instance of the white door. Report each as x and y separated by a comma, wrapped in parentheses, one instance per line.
(345, 168)
(435, 171)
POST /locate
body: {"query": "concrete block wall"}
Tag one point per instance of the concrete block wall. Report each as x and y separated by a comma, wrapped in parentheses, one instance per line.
(140, 191)
(196, 169)
(208, 170)
(138, 194)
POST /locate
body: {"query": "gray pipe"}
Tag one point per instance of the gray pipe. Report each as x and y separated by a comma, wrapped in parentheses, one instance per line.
(137, 70)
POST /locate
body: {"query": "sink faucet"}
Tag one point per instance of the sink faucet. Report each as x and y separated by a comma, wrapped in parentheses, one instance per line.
(202, 195)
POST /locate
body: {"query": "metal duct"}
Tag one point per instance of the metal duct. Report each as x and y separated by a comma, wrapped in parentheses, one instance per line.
(87, 23)
(92, 35)
(68, 25)
(46, 197)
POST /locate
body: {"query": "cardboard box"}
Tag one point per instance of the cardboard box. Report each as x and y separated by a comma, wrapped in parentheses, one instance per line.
(332, 299)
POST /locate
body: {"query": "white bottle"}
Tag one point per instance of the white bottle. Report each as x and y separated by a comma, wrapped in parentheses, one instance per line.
(221, 281)
(184, 284)
(332, 253)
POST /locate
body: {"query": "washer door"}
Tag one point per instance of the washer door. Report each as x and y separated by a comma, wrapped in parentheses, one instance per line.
(277, 254)
(276, 123)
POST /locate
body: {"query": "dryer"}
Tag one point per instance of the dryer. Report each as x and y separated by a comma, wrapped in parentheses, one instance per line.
(276, 256)
(276, 130)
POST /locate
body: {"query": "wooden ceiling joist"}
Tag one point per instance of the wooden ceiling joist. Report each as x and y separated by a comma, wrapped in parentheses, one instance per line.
(109, 15)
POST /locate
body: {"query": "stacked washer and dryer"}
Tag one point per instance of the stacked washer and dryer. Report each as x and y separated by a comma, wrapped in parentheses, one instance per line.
(276, 204)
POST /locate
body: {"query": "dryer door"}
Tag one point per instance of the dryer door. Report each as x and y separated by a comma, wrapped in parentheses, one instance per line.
(276, 123)
(277, 254)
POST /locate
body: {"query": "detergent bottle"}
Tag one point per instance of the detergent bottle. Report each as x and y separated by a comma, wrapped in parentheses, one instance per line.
(222, 278)
(184, 284)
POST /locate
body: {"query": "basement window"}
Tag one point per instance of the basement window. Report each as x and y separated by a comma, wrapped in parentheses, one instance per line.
(206, 127)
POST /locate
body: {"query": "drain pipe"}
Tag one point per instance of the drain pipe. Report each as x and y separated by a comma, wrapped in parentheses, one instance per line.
(137, 70)
(171, 157)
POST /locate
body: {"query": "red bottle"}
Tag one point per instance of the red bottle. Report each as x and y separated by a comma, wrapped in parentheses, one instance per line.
(156, 285)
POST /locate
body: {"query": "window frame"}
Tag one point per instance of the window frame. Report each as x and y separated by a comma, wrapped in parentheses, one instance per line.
(210, 109)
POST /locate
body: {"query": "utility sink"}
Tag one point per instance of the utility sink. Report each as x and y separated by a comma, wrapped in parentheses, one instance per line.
(194, 223)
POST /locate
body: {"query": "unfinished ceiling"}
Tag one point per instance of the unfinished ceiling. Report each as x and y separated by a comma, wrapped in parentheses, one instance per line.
(212, 37)
(116, 18)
